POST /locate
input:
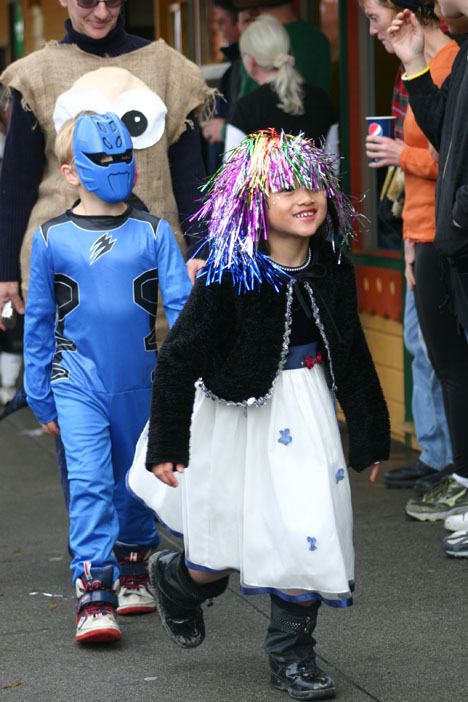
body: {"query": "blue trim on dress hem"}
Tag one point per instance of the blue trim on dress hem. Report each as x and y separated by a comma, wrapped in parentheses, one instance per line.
(205, 569)
(338, 603)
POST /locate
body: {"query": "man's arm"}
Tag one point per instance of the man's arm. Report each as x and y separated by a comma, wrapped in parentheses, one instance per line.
(428, 104)
(188, 174)
(21, 174)
(426, 99)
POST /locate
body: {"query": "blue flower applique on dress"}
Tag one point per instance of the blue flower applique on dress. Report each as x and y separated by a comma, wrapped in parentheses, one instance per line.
(285, 437)
(339, 475)
(312, 543)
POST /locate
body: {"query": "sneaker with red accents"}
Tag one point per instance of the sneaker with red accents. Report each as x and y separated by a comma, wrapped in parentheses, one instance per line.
(135, 595)
(95, 609)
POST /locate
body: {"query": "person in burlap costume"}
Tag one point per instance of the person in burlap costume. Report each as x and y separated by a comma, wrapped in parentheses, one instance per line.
(39, 79)
(97, 66)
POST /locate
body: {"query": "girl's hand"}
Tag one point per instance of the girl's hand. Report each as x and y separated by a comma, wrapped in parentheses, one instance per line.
(165, 472)
(374, 471)
(407, 39)
(384, 151)
(51, 428)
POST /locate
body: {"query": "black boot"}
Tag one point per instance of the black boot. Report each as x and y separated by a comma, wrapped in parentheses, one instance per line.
(290, 647)
(407, 477)
(179, 598)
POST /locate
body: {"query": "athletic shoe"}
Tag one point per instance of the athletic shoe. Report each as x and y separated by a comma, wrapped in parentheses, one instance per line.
(407, 477)
(97, 599)
(135, 595)
(426, 484)
(456, 544)
(457, 522)
(446, 498)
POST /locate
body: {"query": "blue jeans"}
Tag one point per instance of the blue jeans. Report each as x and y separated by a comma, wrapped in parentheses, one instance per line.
(427, 403)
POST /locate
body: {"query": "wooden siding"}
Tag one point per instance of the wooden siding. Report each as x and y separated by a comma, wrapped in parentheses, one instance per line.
(53, 17)
(4, 24)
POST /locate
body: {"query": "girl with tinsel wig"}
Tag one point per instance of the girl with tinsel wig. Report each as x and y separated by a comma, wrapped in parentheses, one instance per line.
(243, 419)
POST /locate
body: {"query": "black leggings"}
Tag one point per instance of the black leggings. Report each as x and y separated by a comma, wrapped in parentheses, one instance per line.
(446, 345)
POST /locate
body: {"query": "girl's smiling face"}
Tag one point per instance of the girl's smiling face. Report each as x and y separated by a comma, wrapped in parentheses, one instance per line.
(296, 213)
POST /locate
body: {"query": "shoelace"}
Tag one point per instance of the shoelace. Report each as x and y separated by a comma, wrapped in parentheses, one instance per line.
(437, 489)
(97, 609)
(134, 582)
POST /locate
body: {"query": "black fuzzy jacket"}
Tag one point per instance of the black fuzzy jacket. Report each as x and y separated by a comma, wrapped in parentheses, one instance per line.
(236, 345)
(442, 114)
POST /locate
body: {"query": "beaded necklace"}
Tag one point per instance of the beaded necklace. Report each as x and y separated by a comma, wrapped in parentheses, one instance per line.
(293, 269)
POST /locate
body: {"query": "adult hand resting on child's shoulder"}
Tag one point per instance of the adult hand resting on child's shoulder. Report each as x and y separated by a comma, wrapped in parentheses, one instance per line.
(165, 472)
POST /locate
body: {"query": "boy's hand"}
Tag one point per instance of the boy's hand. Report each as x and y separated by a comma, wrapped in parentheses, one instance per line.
(10, 291)
(165, 472)
(51, 428)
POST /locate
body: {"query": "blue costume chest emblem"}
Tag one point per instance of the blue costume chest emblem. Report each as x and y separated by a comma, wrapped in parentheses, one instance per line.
(101, 246)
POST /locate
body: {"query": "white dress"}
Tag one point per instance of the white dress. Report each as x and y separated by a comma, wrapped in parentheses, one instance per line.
(266, 492)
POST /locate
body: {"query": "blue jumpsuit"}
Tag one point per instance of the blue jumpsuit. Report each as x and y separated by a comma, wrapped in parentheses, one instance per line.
(90, 353)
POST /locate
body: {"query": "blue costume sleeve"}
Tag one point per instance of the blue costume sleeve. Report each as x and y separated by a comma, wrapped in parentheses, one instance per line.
(174, 282)
(39, 333)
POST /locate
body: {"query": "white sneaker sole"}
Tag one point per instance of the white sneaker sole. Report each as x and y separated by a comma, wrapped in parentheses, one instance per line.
(433, 516)
(99, 635)
(136, 609)
(457, 522)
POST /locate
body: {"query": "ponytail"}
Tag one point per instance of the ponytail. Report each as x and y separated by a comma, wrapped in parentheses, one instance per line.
(267, 42)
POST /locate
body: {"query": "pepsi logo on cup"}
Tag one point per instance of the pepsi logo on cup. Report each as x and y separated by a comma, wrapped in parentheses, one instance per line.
(375, 129)
(381, 126)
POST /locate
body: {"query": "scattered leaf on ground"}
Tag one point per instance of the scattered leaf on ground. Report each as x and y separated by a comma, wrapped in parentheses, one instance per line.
(16, 683)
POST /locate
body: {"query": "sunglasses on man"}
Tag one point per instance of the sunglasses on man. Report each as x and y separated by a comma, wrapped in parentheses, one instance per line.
(91, 4)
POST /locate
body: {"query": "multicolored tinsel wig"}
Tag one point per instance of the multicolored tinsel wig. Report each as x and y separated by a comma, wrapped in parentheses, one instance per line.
(236, 200)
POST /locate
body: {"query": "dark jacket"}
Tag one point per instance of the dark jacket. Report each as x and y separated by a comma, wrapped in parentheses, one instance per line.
(236, 344)
(442, 114)
(259, 110)
(229, 82)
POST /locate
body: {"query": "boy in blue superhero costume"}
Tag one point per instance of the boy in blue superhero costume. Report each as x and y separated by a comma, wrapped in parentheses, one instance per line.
(90, 353)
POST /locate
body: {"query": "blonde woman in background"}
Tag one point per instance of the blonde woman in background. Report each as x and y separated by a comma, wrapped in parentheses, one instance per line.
(283, 100)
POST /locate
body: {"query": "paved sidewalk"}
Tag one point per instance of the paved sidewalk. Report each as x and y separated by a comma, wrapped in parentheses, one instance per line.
(404, 640)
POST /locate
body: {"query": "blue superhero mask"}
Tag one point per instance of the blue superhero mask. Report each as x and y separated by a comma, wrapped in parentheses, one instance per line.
(104, 157)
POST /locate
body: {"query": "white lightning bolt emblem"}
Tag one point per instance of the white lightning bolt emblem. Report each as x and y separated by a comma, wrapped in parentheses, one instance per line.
(101, 246)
